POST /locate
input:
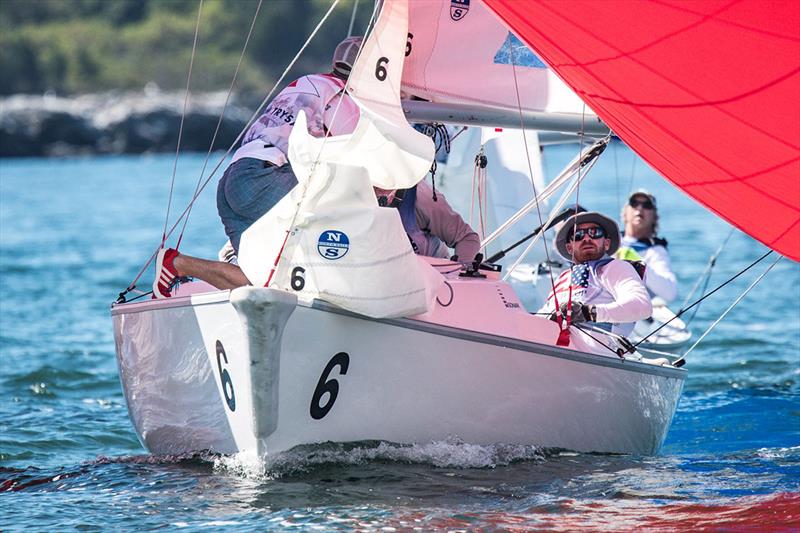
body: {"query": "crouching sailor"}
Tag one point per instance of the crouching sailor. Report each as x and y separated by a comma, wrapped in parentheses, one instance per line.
(597, 288)
(431, 224)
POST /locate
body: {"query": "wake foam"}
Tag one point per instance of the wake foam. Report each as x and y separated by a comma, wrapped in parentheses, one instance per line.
(450, 453)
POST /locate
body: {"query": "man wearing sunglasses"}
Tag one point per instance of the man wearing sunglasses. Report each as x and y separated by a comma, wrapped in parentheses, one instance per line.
(597, 288)
(640, 243)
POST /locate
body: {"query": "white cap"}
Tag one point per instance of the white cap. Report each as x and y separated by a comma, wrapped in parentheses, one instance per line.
(344, 57)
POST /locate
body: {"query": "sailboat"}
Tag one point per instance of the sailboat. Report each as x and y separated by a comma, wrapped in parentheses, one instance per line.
(346, 335)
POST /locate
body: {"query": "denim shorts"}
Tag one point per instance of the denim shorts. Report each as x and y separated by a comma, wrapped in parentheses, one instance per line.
(247, 190)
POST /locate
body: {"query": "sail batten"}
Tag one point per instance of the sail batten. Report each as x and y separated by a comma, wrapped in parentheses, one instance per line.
(707, 93)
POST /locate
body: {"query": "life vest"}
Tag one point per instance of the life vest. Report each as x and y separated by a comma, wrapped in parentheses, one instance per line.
(633, 250)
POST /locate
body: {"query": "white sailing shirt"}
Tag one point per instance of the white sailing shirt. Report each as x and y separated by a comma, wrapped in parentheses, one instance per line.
(613, 287)
(658, 276)
(328, 108)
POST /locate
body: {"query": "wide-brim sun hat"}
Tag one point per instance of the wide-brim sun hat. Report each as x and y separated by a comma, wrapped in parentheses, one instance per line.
(344, 56)
(610, 227)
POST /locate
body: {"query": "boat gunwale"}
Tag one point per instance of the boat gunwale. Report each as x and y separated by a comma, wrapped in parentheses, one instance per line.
(216, 297)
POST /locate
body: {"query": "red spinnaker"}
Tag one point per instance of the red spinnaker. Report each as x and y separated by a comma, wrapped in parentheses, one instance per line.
(708, 93)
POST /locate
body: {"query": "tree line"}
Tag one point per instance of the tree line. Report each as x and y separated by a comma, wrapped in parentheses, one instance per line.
(79, 46)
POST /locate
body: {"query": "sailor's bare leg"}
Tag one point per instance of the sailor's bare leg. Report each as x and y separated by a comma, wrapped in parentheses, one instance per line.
(220, 275)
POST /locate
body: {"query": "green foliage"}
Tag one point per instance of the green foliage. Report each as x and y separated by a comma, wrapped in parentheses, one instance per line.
(76, 46)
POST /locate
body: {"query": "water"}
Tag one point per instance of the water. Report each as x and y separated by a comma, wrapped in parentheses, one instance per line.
(74, 232)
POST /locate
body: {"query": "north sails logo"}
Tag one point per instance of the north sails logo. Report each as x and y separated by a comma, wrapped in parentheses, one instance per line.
(458, 9)
(333, 244)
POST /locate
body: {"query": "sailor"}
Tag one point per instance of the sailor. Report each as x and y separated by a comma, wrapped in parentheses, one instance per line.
(432, 225)
(640, 243)
(260, 175)
(597, 288)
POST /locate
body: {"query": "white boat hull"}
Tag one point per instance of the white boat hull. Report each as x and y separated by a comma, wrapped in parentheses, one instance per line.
(254, 370)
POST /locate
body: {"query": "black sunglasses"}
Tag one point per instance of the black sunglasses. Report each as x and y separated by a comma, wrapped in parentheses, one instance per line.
(647, 204)
(595, 232)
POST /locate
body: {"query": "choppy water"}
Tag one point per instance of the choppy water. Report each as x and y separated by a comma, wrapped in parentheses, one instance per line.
(74, 232)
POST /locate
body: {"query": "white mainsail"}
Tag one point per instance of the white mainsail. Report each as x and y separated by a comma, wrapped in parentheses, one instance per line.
(463, 54)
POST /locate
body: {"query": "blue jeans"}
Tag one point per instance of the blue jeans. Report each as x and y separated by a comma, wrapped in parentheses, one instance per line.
(247, 190)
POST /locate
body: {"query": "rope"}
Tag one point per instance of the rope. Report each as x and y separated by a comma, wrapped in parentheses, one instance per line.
(553, 214)
(634, 160)
(479, 184)
(530, 167)
(183, 117)
(563, 338)
(724, 314)
(452, 295)
(616, 174)
(253, 117)
(352, 19)
(306, 184)
(219, 121)
(754, 263)
(609, 348)
(706, 275)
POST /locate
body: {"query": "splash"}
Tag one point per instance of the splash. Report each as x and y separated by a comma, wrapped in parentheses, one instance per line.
(450, 453)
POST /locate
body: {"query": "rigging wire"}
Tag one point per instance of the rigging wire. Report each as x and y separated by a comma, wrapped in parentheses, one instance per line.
(705, 277)
(563, 338)
(459, 132)
(634, 160)
(219, 121)
(616, 173)
(528, 159)
(553, 214)
(307, 183)
(253, 117)
(679, 313)
(583, 330)
(352, 19)
(183, 118)
(724, 314)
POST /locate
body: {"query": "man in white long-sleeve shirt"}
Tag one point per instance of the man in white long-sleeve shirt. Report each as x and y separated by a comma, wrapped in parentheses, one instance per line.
(597, 288)
(640, 243)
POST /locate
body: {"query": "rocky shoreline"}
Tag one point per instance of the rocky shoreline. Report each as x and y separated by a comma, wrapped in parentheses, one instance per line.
(115, 123)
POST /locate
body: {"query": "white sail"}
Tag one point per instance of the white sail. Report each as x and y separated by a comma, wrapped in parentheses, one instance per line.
(328, 238)
(459, 52)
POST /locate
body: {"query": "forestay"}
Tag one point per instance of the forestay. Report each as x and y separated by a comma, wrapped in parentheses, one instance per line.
(708, 93)
(328, 238)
